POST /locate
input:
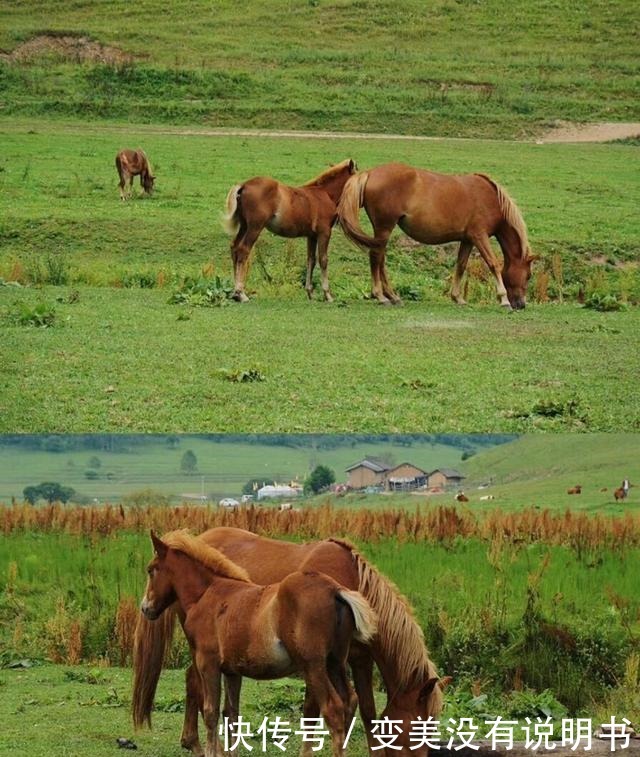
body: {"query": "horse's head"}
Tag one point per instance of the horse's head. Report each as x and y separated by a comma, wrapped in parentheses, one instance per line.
(422, 702)
(147, 182)
(515, 276)
(159, 593)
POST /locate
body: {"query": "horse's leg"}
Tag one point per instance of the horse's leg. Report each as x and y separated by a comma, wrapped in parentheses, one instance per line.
(387, 289)
(312, 243)
(231, 709)
(483, 244)
(381, 289)
(310, 709)
(362, 671)
(193, 705)
(323, 259)
(376, 282)
(340, 680)
(211, 686)
(240, 252)
(461, 266)
(331, 706)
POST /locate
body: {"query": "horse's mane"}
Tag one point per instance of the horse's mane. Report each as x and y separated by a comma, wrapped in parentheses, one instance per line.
(399, 634)
(329, 174)
(511, 214)
(210, 557)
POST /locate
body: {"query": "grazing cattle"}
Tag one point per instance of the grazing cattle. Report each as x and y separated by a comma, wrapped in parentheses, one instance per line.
(461, 497)
(575, 490)
(132, 163)
(307, 211)
(434, 208)
(619, 494)
(487, 497)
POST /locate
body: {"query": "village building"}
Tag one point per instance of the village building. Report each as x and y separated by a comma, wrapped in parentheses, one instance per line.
(371, 471)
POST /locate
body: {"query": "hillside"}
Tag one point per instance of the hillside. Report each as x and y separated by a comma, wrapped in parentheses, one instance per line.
(445, 67)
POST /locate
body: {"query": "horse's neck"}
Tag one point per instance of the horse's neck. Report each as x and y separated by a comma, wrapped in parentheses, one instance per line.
(388, 670)
(194, 581)
(334, 186)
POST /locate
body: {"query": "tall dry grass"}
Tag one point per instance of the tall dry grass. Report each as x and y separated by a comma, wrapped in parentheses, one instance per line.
(577, 530)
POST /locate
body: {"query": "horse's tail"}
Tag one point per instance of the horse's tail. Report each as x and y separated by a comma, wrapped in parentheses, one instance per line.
(231, 218)
(399, 637)
(351, 201)
(365, 618)
(151, 643)
(511, 215)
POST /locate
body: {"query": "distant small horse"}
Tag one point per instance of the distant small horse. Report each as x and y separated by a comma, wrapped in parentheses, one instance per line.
(132, 163)
(303, 624)
(575, 489)
(461, 497)
(619, 494)
(307, 211)
(435, 208)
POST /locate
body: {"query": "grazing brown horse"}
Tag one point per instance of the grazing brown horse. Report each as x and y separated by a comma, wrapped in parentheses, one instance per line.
(434, 208)
(575, 489)
(619, 494)
(398, 649)
(462, 497)
(307, 211)
(305, 624)
(132, 163)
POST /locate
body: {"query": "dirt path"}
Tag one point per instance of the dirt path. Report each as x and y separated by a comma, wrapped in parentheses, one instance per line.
(605, 132)
(565, 132)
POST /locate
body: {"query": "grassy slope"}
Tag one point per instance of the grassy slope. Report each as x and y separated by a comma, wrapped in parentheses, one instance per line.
(120, 360)
(444, 67)
(225, 466)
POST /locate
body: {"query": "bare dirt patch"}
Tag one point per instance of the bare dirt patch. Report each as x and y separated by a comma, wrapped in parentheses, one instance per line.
(566, 131)
(66, 48)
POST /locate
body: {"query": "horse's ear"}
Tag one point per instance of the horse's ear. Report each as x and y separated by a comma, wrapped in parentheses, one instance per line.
(352, 165)
(425, 691)
(532, 258)
(159, 546)
(444, 682)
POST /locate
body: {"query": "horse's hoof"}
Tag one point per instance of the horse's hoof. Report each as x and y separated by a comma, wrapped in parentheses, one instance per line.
(240, 297)
(328, 297)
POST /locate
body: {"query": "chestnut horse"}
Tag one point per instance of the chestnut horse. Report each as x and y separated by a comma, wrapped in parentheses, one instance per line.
(132, 163)
(398, 649)
(307, 211)
(303, 624)
(434, 208)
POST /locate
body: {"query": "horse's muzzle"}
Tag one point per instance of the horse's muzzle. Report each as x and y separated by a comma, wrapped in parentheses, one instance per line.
(148, 610)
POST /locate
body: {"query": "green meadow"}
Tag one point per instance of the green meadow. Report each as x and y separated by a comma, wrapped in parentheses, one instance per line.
(92, 341)
(451, 68)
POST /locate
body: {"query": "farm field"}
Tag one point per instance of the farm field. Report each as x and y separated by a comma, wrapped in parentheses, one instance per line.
(446, 68)
(225, 466)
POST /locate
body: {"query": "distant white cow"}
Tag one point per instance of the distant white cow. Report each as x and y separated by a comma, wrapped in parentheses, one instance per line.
(486, 497)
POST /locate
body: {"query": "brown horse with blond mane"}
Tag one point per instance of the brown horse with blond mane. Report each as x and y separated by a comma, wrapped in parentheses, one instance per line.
(434, 208)
(398, 648)
(307, 211)
(303, 624)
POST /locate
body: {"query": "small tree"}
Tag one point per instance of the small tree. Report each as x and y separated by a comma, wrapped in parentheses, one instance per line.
(320, 478)
(52, 491)
(31, 494)
(189, 462)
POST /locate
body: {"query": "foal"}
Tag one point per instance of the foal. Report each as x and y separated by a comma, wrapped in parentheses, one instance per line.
(303, 624)
(132, 163)
(307, 211)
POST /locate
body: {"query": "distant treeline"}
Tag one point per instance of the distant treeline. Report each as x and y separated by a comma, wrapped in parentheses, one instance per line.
(129, 442)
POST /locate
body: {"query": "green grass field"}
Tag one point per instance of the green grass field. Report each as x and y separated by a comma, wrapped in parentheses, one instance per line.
(448, 68)
(427, 366)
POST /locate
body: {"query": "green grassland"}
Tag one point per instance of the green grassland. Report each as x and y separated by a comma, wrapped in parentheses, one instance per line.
(225, 467)
(480, 605)
(447, 67)
(120, 357)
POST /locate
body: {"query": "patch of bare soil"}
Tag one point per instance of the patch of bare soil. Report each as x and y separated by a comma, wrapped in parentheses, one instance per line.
(66, 48)
(566, 131)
